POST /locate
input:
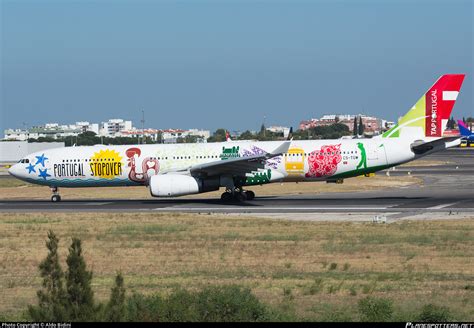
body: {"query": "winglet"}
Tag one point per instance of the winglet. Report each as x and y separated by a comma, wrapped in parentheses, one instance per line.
(290, 134)
(283, 148)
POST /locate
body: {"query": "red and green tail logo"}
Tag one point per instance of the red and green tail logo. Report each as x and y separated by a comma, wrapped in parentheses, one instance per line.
(429, 116)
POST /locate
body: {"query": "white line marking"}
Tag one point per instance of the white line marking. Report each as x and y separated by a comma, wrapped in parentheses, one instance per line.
(441, 206)
(96, 204)
(252, 209)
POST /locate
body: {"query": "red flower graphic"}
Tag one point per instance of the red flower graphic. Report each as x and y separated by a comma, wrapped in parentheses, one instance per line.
(324, 162)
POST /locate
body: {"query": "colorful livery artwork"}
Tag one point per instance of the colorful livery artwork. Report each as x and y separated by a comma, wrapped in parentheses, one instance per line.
(170, 170)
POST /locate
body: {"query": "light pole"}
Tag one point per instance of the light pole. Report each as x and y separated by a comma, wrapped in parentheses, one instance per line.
(143, 126)
(264, 127)
(25, 128)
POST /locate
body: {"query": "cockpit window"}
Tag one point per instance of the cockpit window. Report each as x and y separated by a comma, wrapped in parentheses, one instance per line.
(24, 160)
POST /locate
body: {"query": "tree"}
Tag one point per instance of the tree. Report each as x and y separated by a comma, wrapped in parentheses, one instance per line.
(355, 132)
(218, 136)
(116, 306)
(52, 297)
(80, 297)
(361, 127)
(87, 138)
(247, 135)
(88, 134)
(191, 139)
(374, 309)
(434, 313)
(451, 123)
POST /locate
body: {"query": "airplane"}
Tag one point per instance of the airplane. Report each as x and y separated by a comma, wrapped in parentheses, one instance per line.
(170, 170)
(465, 132)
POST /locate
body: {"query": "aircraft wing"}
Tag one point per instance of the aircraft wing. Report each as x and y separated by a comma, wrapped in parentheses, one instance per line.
(236, 166)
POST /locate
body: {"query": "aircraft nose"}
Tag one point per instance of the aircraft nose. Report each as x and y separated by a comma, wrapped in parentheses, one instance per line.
(13, 170)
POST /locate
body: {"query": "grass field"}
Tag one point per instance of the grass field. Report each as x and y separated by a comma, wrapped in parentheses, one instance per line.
(11, 188)
(319, 270)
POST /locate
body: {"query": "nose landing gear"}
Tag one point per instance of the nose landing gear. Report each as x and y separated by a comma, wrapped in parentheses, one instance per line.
(55, 197)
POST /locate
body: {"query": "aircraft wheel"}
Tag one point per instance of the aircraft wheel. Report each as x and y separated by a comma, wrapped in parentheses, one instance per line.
(249, 194)
(226, 197)
(55, 198)
(240, 197)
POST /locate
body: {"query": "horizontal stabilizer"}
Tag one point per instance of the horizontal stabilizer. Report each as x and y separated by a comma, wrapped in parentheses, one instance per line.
(420, 148)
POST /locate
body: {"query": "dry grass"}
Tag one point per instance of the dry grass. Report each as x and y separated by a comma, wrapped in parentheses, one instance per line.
(325, 266)
(14, 189)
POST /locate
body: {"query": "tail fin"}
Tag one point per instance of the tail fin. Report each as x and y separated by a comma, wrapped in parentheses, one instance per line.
(429, 116)
(463, 129)
(227, 136)
(290, 134)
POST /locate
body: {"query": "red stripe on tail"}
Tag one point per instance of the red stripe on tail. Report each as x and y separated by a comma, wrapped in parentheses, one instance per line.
(437, 108)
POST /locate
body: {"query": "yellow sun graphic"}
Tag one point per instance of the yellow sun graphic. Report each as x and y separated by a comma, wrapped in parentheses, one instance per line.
(106, 164)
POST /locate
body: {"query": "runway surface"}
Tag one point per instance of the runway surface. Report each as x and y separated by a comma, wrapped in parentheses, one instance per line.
(447, 189)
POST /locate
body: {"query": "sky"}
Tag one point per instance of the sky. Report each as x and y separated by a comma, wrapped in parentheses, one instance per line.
(229, 64)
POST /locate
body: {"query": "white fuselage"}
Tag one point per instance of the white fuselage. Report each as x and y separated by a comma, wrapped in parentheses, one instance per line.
(127, 165)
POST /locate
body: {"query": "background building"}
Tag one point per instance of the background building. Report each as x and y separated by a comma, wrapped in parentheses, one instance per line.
(115, 126)
(372, 124)
(112, 128)
(279, 129)
(50, 130)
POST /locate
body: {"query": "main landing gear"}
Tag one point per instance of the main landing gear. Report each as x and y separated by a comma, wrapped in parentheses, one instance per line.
(55, 197)
(238, 195)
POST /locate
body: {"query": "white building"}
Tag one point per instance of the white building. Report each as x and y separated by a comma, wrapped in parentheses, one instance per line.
(88, 127)
(51, 130)
(279, 129)
(115, 126)
(199, 133)
(112, 128)
(165, 136)
(16, 134)
(172, 135)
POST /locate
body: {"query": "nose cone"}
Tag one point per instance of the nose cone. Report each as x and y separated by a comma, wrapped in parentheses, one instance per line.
(14, 170)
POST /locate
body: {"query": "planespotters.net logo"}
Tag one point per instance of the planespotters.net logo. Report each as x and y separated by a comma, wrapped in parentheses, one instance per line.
(439, 325)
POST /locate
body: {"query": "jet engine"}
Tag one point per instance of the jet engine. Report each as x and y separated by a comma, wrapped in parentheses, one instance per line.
(170, 185)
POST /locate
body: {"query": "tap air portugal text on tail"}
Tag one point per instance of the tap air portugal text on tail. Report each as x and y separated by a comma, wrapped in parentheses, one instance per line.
(182, 169)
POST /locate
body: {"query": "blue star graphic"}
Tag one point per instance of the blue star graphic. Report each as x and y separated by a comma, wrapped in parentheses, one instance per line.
(44, 173)
(31, 168)
(41, 159)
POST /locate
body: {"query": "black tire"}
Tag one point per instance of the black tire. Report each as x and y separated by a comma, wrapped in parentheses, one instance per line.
(226, 197)
(240, 197)
(55, 198)
(250, 194)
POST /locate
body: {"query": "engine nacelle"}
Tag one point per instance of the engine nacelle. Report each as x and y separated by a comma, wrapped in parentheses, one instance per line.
(169, 185)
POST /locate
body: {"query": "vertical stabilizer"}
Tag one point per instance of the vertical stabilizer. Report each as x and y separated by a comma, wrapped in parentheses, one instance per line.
(429, 116)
